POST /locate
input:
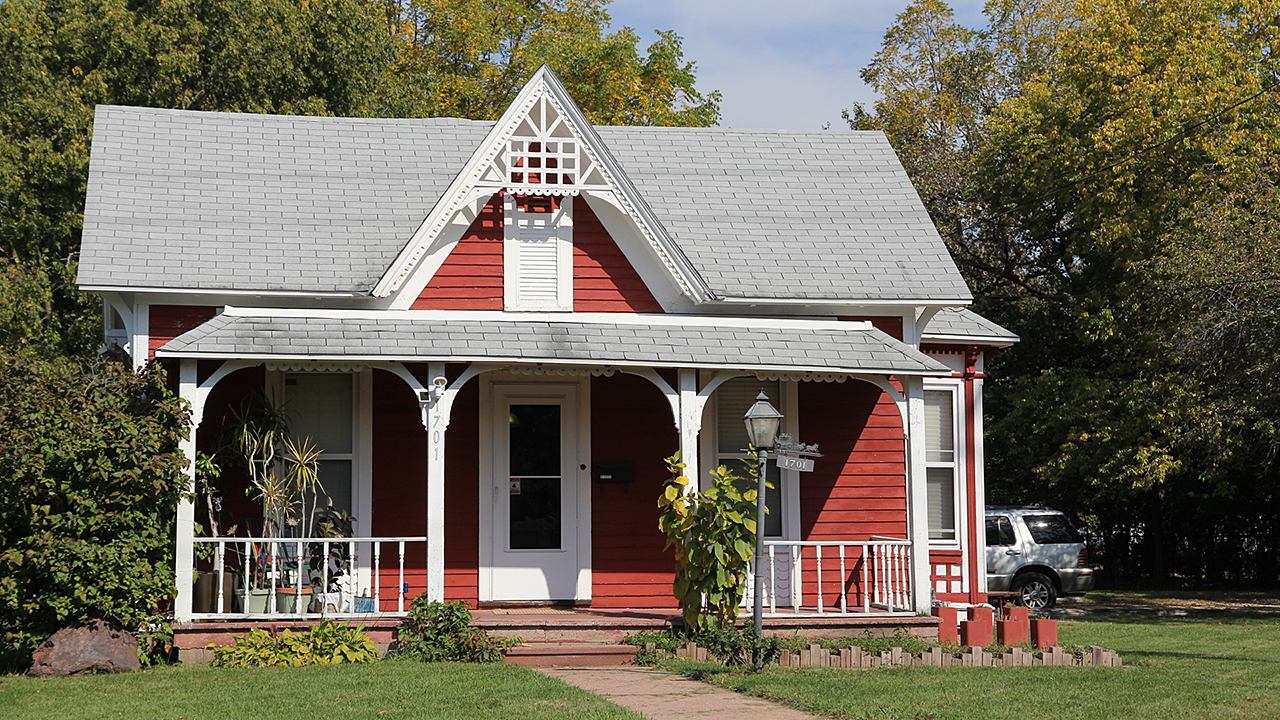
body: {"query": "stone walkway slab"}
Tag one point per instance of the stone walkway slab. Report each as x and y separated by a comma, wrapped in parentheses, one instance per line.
(659, 695)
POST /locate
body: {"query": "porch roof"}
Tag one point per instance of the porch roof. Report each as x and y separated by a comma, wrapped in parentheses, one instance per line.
(784, 345)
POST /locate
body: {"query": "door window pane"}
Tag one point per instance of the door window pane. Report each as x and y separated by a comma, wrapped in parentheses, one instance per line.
(999, 532)
(534, 507)
(535, 514)
(535, 440)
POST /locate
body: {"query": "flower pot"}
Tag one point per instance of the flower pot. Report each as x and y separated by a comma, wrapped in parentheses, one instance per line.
(205, 599)
(286, 600)
(259, 601)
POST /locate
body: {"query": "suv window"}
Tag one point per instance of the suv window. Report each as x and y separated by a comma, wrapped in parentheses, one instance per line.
(999, 532)
(1051, 529)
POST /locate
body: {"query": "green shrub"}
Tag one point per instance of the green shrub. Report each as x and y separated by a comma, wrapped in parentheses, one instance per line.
(328, 643)
(731, 645)
(713, 533)
(442, 631)
(90, 476)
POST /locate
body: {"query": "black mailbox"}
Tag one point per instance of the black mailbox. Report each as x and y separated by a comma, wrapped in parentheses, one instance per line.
(615, 472)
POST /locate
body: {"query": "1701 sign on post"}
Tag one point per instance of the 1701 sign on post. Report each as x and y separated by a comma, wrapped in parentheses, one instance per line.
(788, 462)
(793, 455)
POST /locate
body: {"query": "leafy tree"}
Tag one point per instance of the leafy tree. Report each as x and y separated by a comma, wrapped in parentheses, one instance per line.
(468, 58)
(1075, 157)
(90, 476)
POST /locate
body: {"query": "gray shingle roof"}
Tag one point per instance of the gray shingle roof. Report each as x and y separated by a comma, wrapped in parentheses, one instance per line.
(965, 323)
(783, 214)
(198, 200)
(202, 200)
(408, 336)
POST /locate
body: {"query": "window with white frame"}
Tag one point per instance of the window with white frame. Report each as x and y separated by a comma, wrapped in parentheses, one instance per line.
(321, 407)
(733, 399)
(537, 252)
(941, 463)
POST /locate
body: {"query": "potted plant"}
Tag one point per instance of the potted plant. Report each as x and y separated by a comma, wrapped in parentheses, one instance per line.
(331, 571)
(283, 473)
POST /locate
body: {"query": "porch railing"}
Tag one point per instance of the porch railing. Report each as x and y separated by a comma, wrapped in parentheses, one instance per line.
(299, 578)
(838, 578)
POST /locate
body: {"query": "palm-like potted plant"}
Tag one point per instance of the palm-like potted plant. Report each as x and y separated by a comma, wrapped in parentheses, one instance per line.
(283, 476)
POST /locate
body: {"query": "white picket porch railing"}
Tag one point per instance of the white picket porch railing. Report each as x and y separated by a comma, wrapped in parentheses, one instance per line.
(266, 573)
(803, 577)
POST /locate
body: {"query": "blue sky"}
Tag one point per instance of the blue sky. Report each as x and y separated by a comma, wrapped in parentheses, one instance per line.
(790, 65)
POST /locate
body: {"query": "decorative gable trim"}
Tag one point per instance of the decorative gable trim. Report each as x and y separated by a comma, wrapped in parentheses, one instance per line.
(491, 168)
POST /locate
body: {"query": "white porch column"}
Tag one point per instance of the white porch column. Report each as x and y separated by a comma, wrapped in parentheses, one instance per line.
(690, 423)
(435, 418)
(917, 495)
(184, 551)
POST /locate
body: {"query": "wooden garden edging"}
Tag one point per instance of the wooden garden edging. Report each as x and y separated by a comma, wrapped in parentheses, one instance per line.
(854, 657)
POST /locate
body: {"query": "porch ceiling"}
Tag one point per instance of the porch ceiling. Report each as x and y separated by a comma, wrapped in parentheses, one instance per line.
(566, 339)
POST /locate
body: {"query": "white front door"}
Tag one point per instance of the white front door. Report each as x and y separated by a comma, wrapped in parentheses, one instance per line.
(535, 493)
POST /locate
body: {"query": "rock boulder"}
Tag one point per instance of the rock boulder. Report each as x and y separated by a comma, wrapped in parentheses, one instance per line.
(94, 647)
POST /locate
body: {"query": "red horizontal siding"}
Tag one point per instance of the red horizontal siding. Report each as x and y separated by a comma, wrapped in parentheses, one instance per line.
(167, 322)
(630, 422)
(603, 279)
(470, 278)
(858, 487)
(400, 486)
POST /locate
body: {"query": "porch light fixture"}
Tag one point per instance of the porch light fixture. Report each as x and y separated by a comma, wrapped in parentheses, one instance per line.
(762, 422)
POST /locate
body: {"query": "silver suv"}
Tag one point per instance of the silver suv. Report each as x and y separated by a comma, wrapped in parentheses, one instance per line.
(1035, 554)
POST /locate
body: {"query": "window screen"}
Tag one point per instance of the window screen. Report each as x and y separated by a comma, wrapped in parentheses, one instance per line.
(939, 426)
(319, 406)
(733, 399)
(942, 504)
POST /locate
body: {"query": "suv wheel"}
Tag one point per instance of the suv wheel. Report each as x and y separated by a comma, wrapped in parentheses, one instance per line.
(1036, 591)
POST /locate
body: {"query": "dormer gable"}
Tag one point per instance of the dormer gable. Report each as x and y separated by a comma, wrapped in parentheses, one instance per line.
(542, 147)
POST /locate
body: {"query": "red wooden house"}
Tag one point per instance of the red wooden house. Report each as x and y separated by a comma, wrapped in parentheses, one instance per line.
(496, 332)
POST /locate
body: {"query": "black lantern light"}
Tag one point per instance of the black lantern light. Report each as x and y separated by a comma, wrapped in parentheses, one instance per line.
(762, 422)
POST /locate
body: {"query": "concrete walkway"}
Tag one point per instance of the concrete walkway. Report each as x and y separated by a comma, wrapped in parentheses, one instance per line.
(659, 695)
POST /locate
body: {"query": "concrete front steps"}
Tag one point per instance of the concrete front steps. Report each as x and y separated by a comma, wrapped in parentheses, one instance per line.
(570, 654)
(570, 637)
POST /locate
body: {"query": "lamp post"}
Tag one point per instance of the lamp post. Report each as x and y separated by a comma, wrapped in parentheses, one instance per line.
(762, 422)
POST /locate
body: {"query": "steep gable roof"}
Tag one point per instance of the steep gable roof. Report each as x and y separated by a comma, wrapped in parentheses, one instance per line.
(188, 200)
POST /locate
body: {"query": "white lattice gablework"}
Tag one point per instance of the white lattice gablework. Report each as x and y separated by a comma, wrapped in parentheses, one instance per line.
(544, 156)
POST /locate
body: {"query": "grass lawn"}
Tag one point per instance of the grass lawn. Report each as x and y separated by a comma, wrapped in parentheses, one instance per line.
(1177, 667)
(389, 689)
